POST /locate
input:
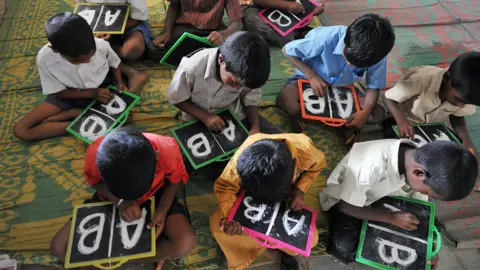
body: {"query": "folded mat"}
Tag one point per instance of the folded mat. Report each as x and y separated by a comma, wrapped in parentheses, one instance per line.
(40, 182)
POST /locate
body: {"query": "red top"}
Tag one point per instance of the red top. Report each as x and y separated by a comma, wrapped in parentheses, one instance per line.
(207, 14)
(170, 164)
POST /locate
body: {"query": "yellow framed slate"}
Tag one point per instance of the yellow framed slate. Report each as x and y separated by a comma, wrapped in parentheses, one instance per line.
(108, 263)
(124, 24)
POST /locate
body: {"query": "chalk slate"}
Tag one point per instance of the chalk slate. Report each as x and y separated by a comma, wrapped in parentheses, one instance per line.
(285, 22)
(202, 146)
(186, 46)
(425, 133)
(258, 222)
(99, 119)
(337, 104)
(105, 18)
(414, 248)
(111, 236)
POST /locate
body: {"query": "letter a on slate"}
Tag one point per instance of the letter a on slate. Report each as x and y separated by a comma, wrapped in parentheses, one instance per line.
(96, 122)
(298, 223)
(286, 20)
(345, 106)
(129, 243)
(229, 132)
(116, 105)
(194, 144)
(394, 253)
(98, 229)
(109, 18)
(88, 15)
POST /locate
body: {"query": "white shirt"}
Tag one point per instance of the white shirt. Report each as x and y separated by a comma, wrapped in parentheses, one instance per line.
(58, 74)
(138, 8)
(366, 174)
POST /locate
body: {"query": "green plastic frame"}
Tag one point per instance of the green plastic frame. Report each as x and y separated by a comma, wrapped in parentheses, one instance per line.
(224, 157)
(178, 42)
(431, 231)
(457, 140)
(108, 4)
(120, 121)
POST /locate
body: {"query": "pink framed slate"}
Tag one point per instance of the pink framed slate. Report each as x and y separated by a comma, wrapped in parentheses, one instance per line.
(302, 23)
(270, 242)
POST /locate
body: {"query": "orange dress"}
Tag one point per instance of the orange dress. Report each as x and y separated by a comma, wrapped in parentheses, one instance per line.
(242, 250)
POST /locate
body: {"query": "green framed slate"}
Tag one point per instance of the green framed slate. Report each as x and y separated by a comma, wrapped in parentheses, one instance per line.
(102, 119)
(210, 146)
(423, 129)
(185, 46)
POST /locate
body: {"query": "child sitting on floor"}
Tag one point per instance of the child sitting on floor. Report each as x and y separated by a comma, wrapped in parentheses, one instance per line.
(74, 69)
(271, 168)
(228, 77)
(127, 167)
(429, 94)
(137, 35)
(255, 24)
(340, 55)
(372, 170)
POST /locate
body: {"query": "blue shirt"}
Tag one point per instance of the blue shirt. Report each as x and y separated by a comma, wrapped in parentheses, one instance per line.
(322, 50)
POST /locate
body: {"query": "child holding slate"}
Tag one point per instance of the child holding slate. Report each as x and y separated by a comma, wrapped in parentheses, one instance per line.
(127, 167)
(254, 23)
(137, 33)
(340, 55)
(391, 167)
(74, 69)
(429, 94)
(271, 168)
(228, 77)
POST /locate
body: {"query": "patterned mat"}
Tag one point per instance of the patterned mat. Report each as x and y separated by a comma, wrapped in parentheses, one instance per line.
(41, 182)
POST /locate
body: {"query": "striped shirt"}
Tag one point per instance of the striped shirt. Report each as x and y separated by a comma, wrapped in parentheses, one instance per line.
(246, 2)
(207, 14)
(196, 80)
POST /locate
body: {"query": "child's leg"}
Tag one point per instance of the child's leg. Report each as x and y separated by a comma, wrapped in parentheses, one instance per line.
(45, 121)
(133, 46)
(59, 243)
(289, 102)
(136, 79)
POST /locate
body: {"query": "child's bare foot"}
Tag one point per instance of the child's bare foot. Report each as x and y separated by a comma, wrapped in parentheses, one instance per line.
(136, 81)
(159, 265)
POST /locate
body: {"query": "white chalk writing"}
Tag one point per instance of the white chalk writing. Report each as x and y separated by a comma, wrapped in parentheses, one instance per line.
(96, 129)
(115, 105)
(97, 228)
(391, 207)
(298, 223)
(129, 243)
(88, 15)
(440, 136)
(378, 227)
(111, 18)
(229, 132)
(344, 106)
(272, 220)
(419, 140)
(253, 213)
(196, 142)
(278, 20)
(313, 103)
(394, 253)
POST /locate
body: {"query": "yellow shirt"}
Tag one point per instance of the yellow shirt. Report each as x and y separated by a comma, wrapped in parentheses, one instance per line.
(242, 250)
(417, 94)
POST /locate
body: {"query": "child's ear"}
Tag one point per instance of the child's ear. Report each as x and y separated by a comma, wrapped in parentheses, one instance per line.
(220, 59)
(420, 174)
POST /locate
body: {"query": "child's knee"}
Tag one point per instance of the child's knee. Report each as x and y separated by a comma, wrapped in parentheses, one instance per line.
(186, 244)
(288, 103)
(21, 131)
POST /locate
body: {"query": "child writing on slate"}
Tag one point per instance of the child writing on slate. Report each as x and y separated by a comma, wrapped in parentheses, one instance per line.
(132, 43)
(228, 77)
(372, 170)
(271, 168)
(428, 94)
(340, 55)
(74, 69)
(254, 23)
(128, 167)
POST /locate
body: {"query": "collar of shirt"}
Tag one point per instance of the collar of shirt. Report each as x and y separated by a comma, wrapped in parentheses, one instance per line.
(340, 45)
(212, 65)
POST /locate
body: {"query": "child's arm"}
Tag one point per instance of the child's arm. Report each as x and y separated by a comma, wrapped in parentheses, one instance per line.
(404, 127)
(163, 206)
(212, 121)
(235, 14)
(403, 220)
(117, 79)
(253, 119)
(460, 127)
(358, 119)
(316, 82)
(101, 94)
(173, 12)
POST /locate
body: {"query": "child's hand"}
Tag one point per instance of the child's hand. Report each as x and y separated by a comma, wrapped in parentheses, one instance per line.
(103, 36)
(434, 262)
(297, 201)
(318, 86)
(216, 38)
(230, 227)
(161, 40)
(103, 95)
(404, 220)
(357, 120)
(121, 86)
(319, 10)
(405, 129)
(158, 222)
(130, 211)
(295, 7)
(214, 122)
(253, 131)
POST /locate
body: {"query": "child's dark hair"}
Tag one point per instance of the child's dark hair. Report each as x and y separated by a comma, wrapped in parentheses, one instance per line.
(247, 57)
(368, 40)
(464, 73)
(127, 162)
(451, 169)
(70, 34)
(266, 170)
